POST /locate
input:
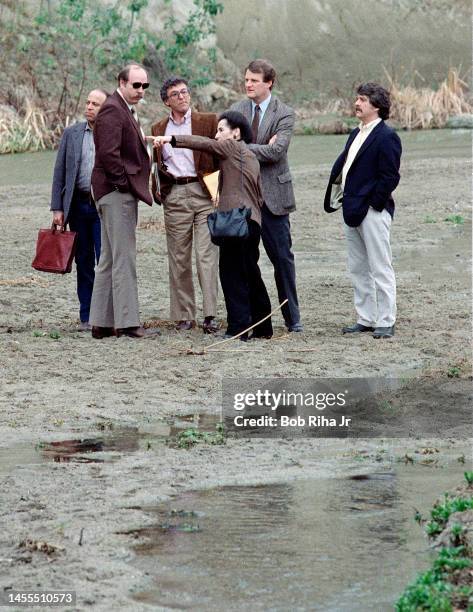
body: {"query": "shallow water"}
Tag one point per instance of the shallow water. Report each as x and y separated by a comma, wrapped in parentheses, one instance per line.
(345, 544)
(108, 446)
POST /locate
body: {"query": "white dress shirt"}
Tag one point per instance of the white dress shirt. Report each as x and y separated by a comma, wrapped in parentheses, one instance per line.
(365, 131)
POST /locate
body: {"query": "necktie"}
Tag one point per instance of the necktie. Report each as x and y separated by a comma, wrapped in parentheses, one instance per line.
(135, 117)
(255, 124)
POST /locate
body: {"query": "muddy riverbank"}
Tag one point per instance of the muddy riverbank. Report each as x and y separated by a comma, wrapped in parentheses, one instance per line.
(59, 384)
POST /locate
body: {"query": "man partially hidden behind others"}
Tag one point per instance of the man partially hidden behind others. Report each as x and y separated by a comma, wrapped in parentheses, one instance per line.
(120, 178)
(367, 172)
(71, 201)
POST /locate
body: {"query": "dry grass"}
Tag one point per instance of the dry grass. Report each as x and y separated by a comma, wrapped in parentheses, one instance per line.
(415, 108)
(24, 281)
(27, 130)
(154, 224)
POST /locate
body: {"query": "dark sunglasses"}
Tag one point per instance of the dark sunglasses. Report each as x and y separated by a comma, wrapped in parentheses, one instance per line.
(137, 85)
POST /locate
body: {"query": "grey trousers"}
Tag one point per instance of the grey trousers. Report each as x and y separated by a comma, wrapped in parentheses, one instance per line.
(115, 294)
(371, 270)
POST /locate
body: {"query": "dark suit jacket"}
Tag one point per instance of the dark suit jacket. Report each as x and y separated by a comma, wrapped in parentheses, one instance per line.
(373, 175)
(67, 168)
(276, 177)
(202, 124)
(121, 157)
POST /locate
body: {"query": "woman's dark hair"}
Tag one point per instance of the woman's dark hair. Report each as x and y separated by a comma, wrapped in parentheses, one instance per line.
(237, 120)
(378, 96)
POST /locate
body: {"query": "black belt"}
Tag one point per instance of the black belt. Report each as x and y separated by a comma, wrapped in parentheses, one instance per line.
(184, 180)
(80, 193)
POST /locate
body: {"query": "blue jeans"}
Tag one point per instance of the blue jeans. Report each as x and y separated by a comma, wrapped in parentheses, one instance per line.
(84, 220)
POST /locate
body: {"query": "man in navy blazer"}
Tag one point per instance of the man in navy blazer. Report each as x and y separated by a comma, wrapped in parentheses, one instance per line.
(71, 200)
(361, 182)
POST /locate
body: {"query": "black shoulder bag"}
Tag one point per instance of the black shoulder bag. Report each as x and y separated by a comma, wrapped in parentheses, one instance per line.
(229, 225)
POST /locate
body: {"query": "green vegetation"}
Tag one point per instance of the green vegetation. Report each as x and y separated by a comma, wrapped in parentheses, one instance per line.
(431, 591)
(179, 52)
(441, 512)
(456, 219)
(53, 334)
(469, 477)
(453, 372)
(447, 586)
(191, 437)
(53, 53)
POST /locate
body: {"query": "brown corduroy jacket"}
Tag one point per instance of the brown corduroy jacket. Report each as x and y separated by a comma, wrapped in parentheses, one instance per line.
(121, 158)
(202, 124)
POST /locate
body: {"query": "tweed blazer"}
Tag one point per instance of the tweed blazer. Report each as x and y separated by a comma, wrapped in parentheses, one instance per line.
(202, 124)
(121, 157)
(240, 182)
(276, 177)
(66, 168)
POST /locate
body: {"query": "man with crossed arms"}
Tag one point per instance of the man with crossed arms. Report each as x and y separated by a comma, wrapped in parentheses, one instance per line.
(272, 123)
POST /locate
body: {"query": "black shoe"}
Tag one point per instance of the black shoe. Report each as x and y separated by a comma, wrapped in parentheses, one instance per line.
(296, 327)
(383, 332)
(210, 325)
(358, 328)
(99, 333)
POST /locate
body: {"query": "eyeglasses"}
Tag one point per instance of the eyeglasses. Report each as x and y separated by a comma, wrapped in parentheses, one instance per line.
(181, 92)
(137, 85)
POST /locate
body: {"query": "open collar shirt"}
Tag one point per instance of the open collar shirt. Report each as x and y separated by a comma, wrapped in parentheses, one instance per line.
(87, 160)
(365, 131)
(179, 162)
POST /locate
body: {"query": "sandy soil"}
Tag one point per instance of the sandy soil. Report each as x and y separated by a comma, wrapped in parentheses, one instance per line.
(75, 387)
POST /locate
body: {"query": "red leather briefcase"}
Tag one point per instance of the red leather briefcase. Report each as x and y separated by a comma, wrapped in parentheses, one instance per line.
(55, 249)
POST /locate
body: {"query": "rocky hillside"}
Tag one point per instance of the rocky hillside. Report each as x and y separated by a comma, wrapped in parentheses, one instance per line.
(325, 46)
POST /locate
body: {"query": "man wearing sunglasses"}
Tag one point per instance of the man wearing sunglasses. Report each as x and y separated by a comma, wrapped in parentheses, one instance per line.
(119, 180)
(186, 203)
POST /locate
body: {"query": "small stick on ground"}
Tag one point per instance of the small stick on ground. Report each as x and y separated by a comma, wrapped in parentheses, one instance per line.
(220, 342)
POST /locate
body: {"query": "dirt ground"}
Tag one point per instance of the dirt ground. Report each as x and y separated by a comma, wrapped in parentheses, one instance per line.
(76, 387)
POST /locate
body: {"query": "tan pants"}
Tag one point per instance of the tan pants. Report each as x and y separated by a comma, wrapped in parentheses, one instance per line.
(115, 294)
(185, 218)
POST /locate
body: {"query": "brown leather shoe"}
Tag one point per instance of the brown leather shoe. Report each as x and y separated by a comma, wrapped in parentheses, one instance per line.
(102, 332)
(210, 325)
(137, 332)
(185, 325)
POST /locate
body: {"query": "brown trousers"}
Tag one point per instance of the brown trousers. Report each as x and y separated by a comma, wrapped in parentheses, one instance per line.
(185, 217)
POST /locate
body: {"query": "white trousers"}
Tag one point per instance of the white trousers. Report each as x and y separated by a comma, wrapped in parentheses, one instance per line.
(371, 270)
